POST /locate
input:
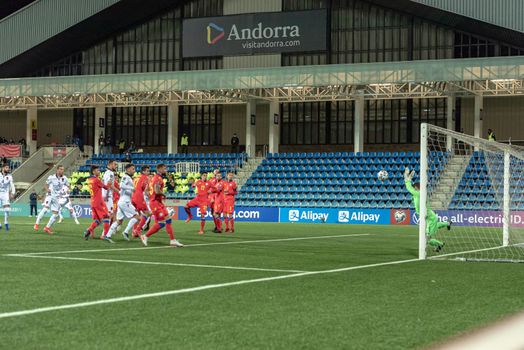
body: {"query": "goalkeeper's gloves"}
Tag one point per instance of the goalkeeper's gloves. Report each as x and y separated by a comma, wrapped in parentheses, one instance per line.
(408, 176)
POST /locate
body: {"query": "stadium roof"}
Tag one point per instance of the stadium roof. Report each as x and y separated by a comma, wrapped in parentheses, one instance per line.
(501, 76)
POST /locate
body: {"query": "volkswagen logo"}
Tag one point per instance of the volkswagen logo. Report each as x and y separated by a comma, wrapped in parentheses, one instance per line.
(78, 210)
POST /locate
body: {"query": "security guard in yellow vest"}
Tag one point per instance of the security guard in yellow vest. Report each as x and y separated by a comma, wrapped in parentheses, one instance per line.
(491, 135)
(184, 142)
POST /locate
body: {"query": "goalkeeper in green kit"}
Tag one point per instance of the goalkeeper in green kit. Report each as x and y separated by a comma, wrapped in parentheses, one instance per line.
(432, 223)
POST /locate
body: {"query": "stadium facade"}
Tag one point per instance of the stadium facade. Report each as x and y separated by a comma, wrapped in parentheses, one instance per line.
(113, 37)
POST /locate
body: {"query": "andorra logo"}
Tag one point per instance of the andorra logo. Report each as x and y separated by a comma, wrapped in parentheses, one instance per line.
(219, 33)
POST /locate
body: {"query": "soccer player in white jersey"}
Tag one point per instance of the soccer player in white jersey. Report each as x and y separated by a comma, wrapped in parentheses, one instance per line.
(109, 180)
(125, 208)
(54, 186)
(7, 192)
(65, 202)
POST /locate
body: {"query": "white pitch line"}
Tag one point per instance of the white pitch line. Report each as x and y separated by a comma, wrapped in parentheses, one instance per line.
(192, 245)
(436, 257)
(155, 263)
(192, 290)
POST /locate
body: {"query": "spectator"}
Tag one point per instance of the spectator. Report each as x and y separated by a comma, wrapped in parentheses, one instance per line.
(170, 183)
(127, 157)
(4, 161)
(108, 145)
(132, 147)
(234, 143)
(121, 146)
(23, 145)
(101, 144)
(491, 135)
(33, 201)
(184, 142)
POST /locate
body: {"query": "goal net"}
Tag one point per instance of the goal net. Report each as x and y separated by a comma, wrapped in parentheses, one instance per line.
(478, 186)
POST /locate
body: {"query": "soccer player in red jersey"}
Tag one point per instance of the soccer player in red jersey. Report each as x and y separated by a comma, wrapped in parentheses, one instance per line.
(218, 205)
(159, 210)
(139, 199)
(98, 205)
(201, 201)
(230, 190)
(212, 196)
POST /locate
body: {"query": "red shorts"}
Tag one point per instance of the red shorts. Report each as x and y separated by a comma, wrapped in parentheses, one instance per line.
(218, 206)
(159, 210)
(140, 206)
(200, 203)
(229, 206)
(100, 212)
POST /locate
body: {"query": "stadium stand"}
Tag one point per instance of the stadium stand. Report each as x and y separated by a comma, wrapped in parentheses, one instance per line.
(338, 179)
(177, 186)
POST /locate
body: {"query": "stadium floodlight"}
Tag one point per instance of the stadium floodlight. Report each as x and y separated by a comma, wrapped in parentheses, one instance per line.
(476, 184)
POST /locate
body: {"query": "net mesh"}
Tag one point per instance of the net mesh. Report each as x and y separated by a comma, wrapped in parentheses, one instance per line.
(466, 186)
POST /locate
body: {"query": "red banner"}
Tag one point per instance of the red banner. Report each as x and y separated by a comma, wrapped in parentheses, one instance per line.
(10, 151)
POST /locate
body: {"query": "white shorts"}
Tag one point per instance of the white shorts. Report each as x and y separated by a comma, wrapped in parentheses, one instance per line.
(109, 204)
(4, 199)
(52, 203)
(47, 201)
(65, 203)
(125, 210)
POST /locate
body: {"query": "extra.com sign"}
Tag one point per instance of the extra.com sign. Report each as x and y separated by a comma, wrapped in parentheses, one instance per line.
(249, 34)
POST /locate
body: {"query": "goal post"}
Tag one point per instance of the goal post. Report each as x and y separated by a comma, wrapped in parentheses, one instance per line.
(478, 186)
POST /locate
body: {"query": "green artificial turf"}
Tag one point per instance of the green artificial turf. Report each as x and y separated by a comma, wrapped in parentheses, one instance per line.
(406, 306)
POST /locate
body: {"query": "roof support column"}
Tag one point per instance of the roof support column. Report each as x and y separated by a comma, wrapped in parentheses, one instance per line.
(172, 127)
(31, 129)
(450, 112)
(251, 129)
(358, 136)
(274, 126)
(100, 123)
(477, 113)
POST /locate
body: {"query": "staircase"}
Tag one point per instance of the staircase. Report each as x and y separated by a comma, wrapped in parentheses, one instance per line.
(248, 168)
(448, 183)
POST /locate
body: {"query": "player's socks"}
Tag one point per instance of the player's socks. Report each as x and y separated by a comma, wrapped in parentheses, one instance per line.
(434, 242)
(188, 212)
(226, 220)
(93, 225)
(6, 218)
(232, 223)
(130, 225)
(169, 230)
(202, 224)
(156, 227)
(106, 226)
(148, 220)
(112, 229)
(142, 222)
(219, 221)
(52, 220)
(41, 215)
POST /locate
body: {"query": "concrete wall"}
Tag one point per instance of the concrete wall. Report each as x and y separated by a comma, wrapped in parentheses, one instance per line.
(505, 115)
(58, 123)
(12, 124)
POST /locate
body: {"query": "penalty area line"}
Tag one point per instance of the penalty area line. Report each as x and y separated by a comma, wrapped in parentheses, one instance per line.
(193, 245)
(154, 263)
(194, 289)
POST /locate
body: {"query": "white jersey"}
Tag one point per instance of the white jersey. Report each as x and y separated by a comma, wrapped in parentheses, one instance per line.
(127, 188)
(108, 178)
(7, 184)
(57, 185)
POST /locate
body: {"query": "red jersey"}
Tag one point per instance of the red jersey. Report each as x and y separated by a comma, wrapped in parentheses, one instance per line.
(212, 183)
(157, 180)
(219, 190)
(116, 195)
(203, 188)
(141, 185)
(95, 189)
(230, 189)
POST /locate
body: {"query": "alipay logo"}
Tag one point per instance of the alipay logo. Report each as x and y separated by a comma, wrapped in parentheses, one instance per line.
(343, 216)
(211, 40)
(294, 215)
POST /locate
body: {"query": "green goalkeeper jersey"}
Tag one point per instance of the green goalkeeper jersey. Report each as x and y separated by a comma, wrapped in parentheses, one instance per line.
(416, 196)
